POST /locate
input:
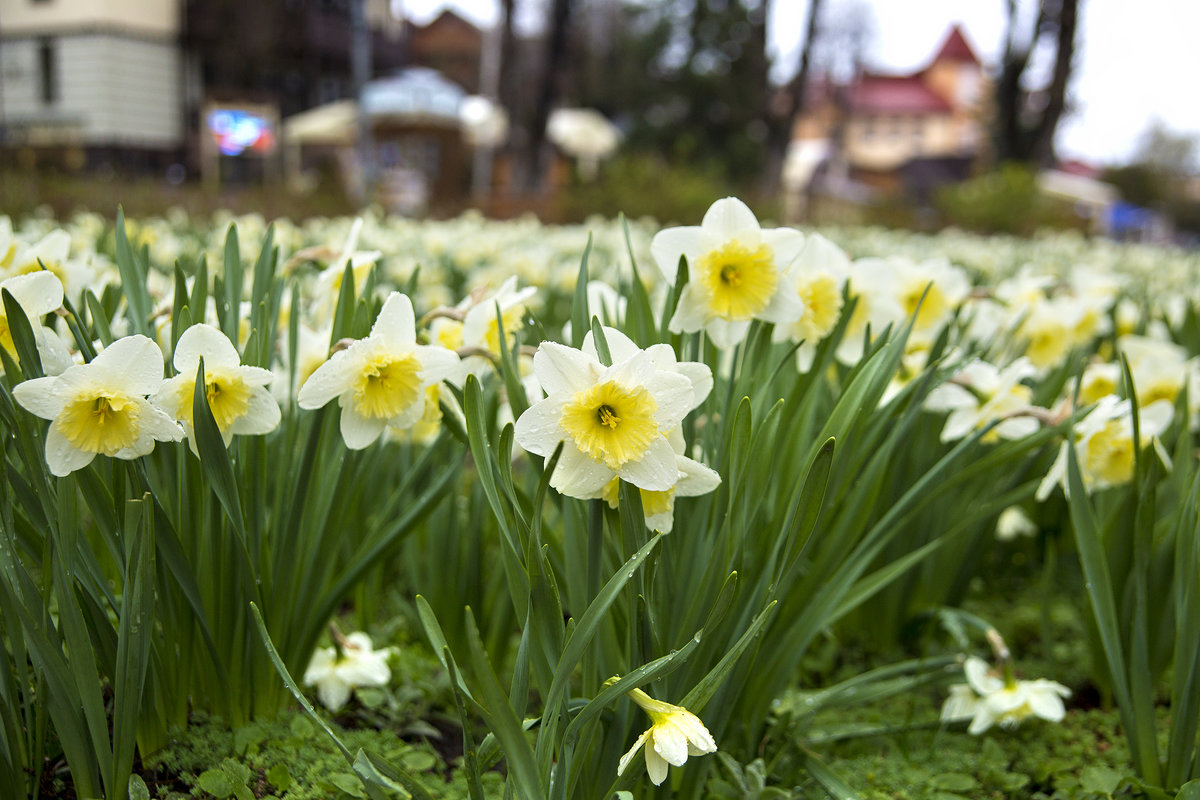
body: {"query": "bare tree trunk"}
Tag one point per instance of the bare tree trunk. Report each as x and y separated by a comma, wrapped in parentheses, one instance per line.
(535, 160)
(780, 122)
(1042, 146)
(1016, 137)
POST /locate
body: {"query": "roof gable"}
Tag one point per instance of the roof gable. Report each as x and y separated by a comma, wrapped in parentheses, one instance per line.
(955, 48)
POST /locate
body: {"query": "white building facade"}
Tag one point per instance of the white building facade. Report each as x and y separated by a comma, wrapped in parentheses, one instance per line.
(91, 74)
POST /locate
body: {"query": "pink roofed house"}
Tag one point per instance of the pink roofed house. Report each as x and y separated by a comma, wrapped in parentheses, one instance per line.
(885, 122)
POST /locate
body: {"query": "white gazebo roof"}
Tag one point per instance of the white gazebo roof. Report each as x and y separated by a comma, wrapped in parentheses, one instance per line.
(416, 94)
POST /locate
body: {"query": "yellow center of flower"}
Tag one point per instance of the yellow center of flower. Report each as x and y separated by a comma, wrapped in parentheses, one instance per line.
(1158, 390)
(1110, 455)
(740, 281)
(1048, 345)
(612, 423)
(934, 307)
(1094, 387)
(105, 422)
(822, 307)
(512, 324)
(228, 399)
(387, 386)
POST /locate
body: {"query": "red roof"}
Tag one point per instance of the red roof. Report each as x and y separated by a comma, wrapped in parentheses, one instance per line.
(902, 94)
(955, 48)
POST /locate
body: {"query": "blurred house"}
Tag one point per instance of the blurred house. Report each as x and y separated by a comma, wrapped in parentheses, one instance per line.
(907, 133)
(131, 82)
(92, 81)
(451, 45)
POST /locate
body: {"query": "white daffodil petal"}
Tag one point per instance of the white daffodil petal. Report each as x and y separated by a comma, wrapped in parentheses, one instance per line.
(627, 759)
(563, 369)
(670, 742)
(204, 341)
(135, 362)
(655, 471)
(396, 324)
(326, 382)
(730, 218)
(656, 766)
(62, 457)
(39, 396)
(358, 431)
(579, 476)
(670, 244)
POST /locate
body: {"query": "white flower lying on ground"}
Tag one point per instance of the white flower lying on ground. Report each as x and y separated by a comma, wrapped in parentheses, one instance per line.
(675, 734)
(380, 380)
(988, 699)
(101, 407)
(614, 419)
(238, 396)
(1014, 522)
(737, 272)
(359, 665)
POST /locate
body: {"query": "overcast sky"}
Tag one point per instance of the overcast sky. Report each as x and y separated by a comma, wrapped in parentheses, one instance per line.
(1134, 61)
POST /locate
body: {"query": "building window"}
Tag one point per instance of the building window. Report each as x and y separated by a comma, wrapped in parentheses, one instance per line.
(48, 71)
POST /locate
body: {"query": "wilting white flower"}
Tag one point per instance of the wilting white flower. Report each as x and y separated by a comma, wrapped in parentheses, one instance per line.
(380, 380)
(238, 395)
(737, 272)
(988, 699)
(359, 665)
(101, 407)
(675, 734)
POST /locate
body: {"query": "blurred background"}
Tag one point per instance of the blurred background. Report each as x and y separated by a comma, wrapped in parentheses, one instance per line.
(993, 115)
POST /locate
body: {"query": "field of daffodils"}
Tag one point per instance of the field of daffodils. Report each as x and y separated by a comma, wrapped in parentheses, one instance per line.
(375, 508)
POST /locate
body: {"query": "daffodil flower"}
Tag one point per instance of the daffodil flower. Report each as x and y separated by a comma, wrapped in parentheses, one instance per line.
(1104, 445)
(37, 293)
(380, 380)
(237, 395)
(988, 699)
(738, 272)
(101, 407)
(337, 676)
(614, 419)
(982, 393)
(674, 734)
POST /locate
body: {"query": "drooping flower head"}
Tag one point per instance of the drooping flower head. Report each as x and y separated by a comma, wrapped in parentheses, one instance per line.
(737, 272)
(380, 380)
(237, 395)
(101, 407)
(674, 734)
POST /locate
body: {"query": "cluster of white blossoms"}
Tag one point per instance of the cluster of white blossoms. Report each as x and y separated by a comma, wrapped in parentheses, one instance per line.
(989, 699)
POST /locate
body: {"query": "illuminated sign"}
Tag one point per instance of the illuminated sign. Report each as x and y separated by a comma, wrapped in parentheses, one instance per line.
(235, 131)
